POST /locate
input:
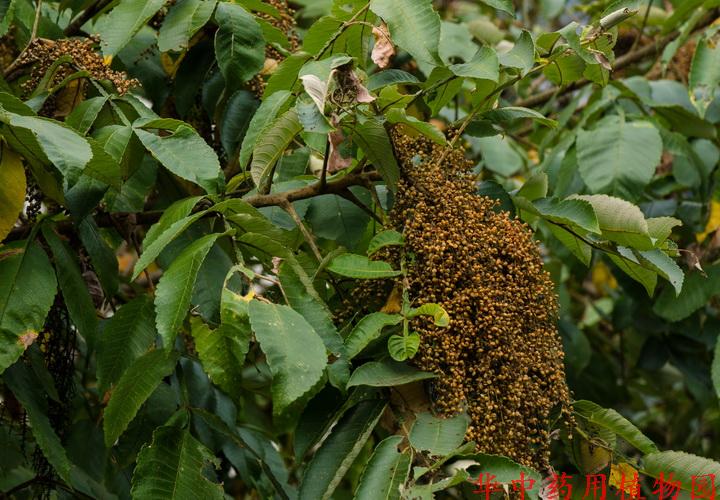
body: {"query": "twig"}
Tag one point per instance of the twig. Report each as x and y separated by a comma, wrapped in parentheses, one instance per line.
(288, 207)
(323, 175)
(340, 31)
(350, 196)
(642, 27)
(74, 27)
(33, 35)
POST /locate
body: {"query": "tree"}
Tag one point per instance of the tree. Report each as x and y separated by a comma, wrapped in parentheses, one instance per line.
(322, 250)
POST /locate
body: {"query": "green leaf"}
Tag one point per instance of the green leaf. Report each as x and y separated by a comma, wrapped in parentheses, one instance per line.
(611, 420)
(665, 267)
(183, 20)
(171, 229)
(84, 115)
(101, 255)
(660, 228)
(522, 55)
(438, 435)
(339, 450)
(373, 139)
(386, 471)
(361, 267)
(402, 347)
(295, 353)
(217, 424)
(578, 247)
(132, 390)
(184, 153)
(571, 212)
(28, 390)
(235, 322)
(505, 470)
(221, 353)
(683, 466)
(12, 189)
(715, 372)
(126, 336)
(605, 153)
(239, 43)
(573, 39)
(303, 298)
(235, 121)
(384, 239)
(173, 466)
(285, 76)
(439, 315)
(27, 291)
(73, 286)
(399, 115)
(630, 265)
(123, 22)
(620, 221)
(368, 329)
(175, 288)
(405, 20)
(565, 69)
(68, 151)
(312, 120)
(270, 146)
(535, 187)
(175, 212)
(387, 373)
(509, 114)
(503, 5)
(696, 293)
(261, 121)
(705, 70)
(484, 66)
(381, 79)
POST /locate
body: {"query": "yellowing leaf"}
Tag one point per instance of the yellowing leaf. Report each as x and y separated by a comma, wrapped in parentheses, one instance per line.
(107, 60)
(713, 223)
(624, 476)
(12, 190)
(245, 298)
(394, 302)
(170, 64)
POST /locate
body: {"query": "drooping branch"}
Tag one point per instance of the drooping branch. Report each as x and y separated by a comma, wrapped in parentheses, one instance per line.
(131, 219)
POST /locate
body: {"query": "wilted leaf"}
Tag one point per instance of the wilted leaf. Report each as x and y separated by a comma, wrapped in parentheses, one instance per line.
(383, 49)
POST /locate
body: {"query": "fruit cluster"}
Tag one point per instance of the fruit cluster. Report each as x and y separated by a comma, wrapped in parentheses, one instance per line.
(501, 358)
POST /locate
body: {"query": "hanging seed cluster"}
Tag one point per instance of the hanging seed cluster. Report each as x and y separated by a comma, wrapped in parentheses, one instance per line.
(41, 54)
(501, 358)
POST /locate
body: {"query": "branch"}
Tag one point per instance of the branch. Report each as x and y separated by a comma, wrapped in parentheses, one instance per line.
(132, 219)
(335, 187)
(74, 27)
(33, 35)
(620, 63)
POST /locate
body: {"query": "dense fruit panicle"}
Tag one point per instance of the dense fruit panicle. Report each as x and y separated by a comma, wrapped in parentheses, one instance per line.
(83, 56)
(501, 358)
